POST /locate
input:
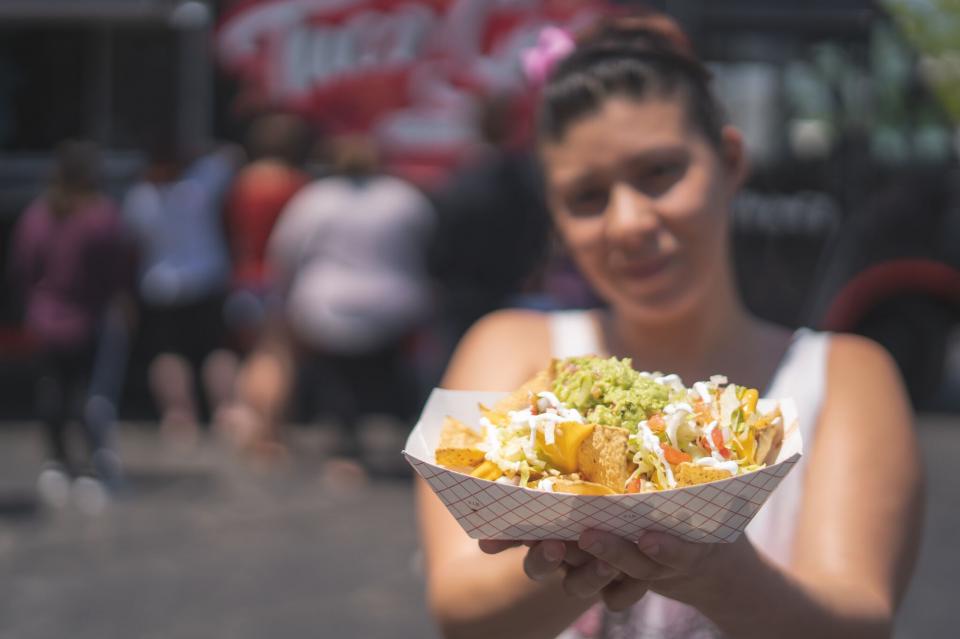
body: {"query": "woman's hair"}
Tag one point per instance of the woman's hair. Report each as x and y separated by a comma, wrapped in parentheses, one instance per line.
(639, 56)
(76, 174)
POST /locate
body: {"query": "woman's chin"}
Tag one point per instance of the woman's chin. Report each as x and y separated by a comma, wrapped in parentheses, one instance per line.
(655, 305)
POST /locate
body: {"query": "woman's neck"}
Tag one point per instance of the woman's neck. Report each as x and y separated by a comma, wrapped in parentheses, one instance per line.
(717, 336)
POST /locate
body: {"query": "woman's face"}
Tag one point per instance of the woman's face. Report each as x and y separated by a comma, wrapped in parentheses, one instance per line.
(641, 200)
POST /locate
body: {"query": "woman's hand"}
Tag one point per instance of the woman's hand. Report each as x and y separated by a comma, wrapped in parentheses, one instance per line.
(682, 570)
(583, 575)
(619, 572)
(544, 558)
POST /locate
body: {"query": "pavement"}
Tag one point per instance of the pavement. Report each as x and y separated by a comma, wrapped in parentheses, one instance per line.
(206, 546)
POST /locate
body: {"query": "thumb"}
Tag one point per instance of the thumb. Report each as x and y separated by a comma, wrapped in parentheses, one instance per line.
(495, 546)
(672, 552)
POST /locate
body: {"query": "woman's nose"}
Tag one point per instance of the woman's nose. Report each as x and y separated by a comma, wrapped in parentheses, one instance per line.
(630, 215)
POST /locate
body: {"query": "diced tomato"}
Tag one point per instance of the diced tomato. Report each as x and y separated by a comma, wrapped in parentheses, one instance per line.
(656, 423)
(717, 437)
(634, 485)
(673, 455)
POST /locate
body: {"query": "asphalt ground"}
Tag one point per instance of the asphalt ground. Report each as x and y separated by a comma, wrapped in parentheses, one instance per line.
(206, 546)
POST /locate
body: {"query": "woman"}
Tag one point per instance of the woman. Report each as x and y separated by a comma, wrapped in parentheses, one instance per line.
(641, 172)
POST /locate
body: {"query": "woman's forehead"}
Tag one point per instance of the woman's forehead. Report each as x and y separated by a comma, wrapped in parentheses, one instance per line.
(622, 128)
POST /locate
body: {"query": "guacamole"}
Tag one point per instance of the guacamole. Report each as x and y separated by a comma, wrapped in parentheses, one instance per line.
(608, 391)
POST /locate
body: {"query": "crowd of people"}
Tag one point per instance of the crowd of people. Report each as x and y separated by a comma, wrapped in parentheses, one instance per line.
(250, 287)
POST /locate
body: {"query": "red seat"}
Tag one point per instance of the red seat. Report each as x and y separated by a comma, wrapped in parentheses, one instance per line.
(15, 342)
(888, 279)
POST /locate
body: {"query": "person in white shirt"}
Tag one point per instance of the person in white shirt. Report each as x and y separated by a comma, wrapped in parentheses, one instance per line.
(348, 257)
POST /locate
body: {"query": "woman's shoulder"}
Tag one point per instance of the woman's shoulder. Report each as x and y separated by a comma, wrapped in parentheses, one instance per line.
(864, 388)
(500, 351)
(516, 330)
(860, 357)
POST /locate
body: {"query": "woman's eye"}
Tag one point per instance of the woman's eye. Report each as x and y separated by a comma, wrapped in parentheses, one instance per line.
(659, 178)
(589, 202)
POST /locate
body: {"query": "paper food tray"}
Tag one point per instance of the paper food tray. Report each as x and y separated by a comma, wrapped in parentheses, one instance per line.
(713, 512)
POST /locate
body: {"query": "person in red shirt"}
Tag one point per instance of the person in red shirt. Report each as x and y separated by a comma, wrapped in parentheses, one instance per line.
(261, 190)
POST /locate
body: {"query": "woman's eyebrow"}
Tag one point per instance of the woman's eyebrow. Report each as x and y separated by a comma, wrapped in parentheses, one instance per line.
(660, 153)
(592, 177)
(575, 182)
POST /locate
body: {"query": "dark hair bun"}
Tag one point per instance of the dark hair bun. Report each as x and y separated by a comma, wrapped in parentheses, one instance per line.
(632, 55)
(657, 30)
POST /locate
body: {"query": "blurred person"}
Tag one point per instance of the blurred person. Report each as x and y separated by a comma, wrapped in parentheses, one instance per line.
(175, 215)
(641, 171)
(492, 205)
(70, 258)
(277, 147)
(348, 253)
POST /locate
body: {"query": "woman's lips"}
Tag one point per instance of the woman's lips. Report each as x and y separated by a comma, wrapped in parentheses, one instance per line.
(643, 269)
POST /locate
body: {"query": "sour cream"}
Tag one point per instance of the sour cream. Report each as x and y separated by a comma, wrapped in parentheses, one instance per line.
(652, 443)
(709, 462)
(704, 392)
(708, 435)
(546, 484)
(516, 441)
(670, 409)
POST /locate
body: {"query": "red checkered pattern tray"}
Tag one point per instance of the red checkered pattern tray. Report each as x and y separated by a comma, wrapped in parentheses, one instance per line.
(714, 512)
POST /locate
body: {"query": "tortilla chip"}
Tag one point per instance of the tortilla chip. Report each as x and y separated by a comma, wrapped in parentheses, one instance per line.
(488, 470)
(769, 441)
(520, 398)
(688, 474)
(456, 434)
(603, 457)
(581, 487)
(496, 417)
(458, 445)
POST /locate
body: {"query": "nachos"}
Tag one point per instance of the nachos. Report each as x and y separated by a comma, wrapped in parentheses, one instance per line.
(589, 425)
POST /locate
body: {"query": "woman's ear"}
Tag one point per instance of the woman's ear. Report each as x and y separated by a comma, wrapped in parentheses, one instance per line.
(734, 156)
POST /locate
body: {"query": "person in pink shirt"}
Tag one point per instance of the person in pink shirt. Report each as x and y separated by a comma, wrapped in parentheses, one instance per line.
(70, 260)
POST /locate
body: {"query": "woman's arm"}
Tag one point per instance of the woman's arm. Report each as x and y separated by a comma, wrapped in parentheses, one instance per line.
(472, 594)
(859, 533)
(857, 536)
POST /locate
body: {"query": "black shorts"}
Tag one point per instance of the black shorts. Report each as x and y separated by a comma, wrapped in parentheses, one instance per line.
(192, 330)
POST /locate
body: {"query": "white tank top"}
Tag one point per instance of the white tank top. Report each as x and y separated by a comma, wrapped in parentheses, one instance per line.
(800, 375)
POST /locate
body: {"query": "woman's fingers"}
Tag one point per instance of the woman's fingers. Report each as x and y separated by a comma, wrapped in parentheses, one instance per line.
(574, 556)
(620, 595)
(682, 557)
(494, 546)
(570, 553)
(543, 559)
(623, 555)
(589, 579)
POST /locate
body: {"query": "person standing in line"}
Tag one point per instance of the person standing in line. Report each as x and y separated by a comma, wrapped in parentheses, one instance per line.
(175, 214)
(348, 254)
(277, 146)
(71, 261)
